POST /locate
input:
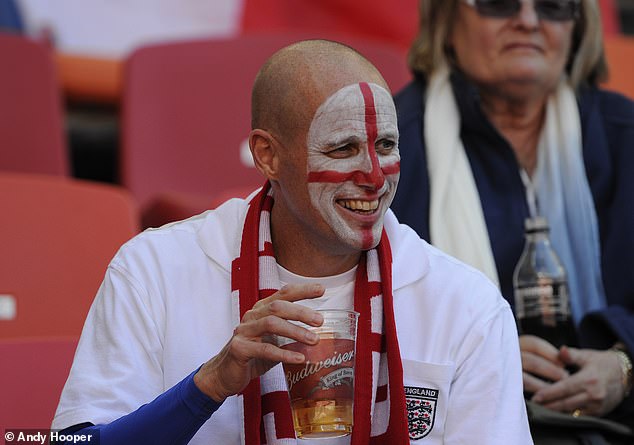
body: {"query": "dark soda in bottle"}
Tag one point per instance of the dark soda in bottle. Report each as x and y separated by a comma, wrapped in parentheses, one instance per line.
(542, 302)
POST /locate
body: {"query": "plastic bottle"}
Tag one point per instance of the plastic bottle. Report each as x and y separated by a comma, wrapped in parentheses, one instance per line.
(542, 304)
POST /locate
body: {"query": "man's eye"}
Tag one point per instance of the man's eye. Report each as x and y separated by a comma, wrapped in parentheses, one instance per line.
(342, 151)
(385, 145)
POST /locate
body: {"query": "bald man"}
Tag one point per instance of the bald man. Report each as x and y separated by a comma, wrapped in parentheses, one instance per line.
(178, 348)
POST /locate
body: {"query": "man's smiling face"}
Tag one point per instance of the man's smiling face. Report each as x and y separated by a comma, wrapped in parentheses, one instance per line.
(353, 162)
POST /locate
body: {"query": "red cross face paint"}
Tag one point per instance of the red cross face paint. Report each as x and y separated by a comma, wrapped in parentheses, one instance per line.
(353, 162)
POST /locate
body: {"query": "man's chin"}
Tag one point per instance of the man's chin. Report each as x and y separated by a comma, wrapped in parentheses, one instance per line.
(371, 239)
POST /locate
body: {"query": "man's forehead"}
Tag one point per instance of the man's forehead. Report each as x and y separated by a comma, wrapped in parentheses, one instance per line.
(352, 95)
(355, 110)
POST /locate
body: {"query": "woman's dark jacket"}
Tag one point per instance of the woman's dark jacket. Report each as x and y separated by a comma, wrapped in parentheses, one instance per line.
(607, 122)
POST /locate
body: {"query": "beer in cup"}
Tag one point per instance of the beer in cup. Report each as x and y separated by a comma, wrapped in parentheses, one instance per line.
(322, 388)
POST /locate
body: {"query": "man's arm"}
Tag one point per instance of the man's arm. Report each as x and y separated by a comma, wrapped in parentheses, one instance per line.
(172, 418)
(176, 415)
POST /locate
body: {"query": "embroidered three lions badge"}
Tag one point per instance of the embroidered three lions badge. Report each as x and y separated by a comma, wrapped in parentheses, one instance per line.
(421, 410)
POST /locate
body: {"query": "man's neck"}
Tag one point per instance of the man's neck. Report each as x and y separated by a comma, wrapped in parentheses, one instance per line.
(301, 254)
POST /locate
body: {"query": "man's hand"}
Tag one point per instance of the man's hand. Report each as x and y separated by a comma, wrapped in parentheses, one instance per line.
(251, 352)
(595, 390)
(541, 363)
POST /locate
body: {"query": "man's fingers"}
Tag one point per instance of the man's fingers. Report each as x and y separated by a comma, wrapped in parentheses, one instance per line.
(273, 325)
(296, 292)
(280, 304)
(291, 311)
(251, 351)
(245, 350)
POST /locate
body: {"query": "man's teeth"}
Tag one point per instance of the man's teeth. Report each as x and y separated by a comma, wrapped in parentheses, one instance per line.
(365, 206)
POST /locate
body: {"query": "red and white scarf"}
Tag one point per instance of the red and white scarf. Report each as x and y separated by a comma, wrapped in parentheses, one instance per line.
(380, 415)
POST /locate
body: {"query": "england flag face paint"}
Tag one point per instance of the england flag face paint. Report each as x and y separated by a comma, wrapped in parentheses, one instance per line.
(353, 162)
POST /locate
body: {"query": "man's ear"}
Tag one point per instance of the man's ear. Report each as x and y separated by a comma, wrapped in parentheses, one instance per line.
(264, 152)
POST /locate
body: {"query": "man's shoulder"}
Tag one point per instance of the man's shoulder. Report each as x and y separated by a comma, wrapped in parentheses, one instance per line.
(213, 233)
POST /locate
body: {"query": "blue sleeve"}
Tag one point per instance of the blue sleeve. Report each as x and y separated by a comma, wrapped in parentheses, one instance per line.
(172, 418)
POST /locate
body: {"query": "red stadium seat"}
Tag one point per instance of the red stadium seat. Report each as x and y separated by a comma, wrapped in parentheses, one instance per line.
(186, 117)
(619, 51)
(394, 22)
(57, 236)
(32, 137)
(610, 17)
(32, 376)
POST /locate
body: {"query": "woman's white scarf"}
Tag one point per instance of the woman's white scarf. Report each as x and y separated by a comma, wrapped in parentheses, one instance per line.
(457, 223)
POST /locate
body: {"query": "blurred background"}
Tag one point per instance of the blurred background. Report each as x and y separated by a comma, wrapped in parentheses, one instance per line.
(91, 42)
(116, 115)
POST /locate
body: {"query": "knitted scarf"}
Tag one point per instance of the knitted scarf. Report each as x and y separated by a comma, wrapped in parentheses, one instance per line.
(379, 402)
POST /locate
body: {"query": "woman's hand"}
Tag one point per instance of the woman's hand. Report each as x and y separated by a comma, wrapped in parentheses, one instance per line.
(541, 363)
(251, 350)
(595, 389)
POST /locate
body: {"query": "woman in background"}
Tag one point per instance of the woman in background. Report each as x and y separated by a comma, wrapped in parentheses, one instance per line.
(504, 121)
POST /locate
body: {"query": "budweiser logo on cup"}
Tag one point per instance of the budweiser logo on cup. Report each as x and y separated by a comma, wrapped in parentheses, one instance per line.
(322, 388)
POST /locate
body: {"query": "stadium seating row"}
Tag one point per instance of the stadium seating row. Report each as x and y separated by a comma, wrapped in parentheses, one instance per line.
(57, 236)
(184, 119)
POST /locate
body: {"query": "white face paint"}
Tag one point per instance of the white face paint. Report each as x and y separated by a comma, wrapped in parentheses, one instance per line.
(353, 162)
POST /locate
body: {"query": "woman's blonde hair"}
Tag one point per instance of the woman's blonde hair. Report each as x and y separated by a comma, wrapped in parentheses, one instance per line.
(430, 49)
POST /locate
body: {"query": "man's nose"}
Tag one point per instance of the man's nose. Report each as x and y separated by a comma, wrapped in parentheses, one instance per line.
(370, 175)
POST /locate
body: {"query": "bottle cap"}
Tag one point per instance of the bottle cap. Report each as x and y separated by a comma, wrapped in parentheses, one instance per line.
(535, 224)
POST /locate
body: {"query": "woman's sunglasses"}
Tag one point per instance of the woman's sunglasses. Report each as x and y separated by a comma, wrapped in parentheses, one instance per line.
(552, 10)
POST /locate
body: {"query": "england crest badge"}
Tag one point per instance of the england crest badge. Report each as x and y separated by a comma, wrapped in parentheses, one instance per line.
(421, 410)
